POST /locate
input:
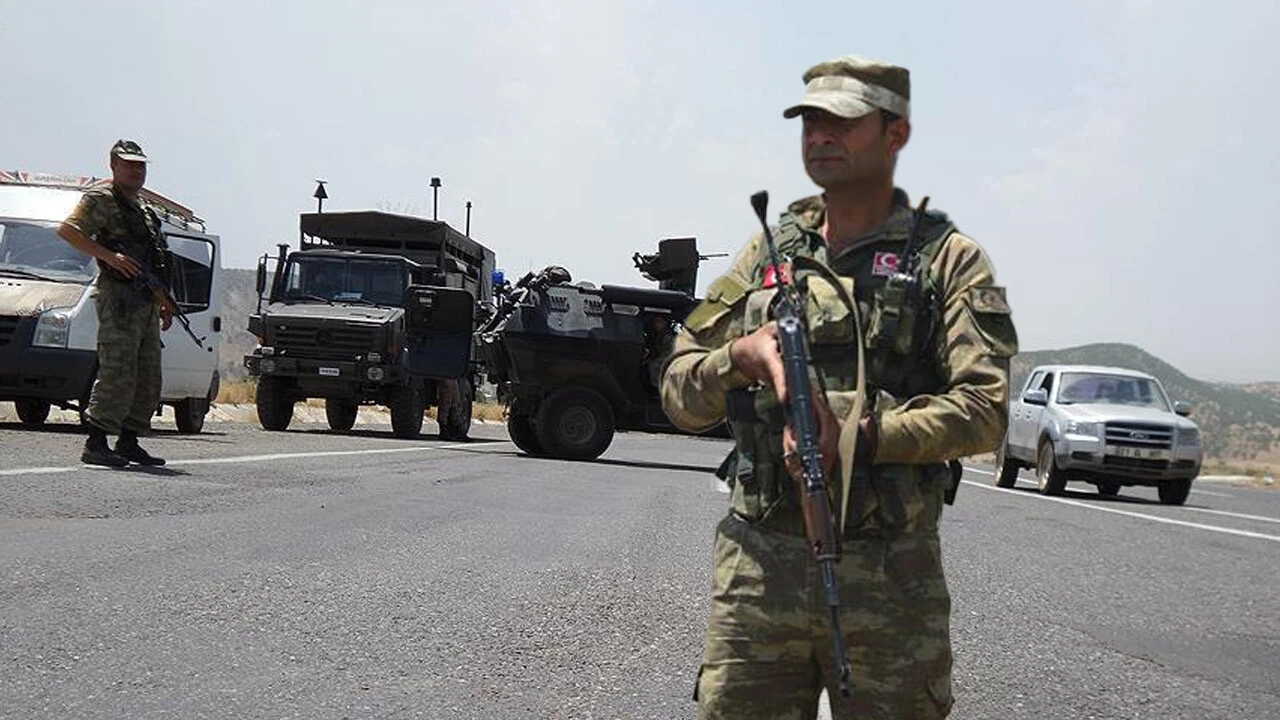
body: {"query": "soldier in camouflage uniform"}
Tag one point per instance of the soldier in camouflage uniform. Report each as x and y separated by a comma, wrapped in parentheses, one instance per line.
(114, 225)
(933, 368)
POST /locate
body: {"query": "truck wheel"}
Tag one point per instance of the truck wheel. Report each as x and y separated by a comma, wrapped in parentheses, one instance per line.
(32, 411)
(1174, 492)
(1108, 489)
(458, 423)
(520, 428)
(340, 413)
(1006, 469)
(1051, 479)
(408, 404)
(575, 424)
(188, 414)
(275, 409)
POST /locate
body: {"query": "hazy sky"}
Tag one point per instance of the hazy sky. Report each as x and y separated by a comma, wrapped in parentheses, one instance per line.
(1120, 161)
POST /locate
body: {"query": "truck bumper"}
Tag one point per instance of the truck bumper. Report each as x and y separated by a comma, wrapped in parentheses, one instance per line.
(1088, 457)
(342, 372)
(53, 374)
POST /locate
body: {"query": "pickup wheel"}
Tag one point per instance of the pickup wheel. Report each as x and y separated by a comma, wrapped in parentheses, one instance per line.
(1048, 475)
(575, 424)
(275, 407)
(32, 411)
(340, 413)
(1006, 469)
(1174, 492)
(408, 405)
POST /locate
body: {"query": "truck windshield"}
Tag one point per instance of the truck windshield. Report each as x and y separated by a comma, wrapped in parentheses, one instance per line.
(378, 282)
(1111, 389)
(32, 249)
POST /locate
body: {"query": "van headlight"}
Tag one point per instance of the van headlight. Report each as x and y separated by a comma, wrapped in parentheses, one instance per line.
(53, 328)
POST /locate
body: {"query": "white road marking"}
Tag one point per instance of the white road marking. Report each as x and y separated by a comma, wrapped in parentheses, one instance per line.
(1232, 514)
(1211, 493)
(1117, 511)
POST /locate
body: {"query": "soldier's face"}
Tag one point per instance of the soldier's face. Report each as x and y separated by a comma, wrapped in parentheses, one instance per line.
(130, 174)
(842, 152)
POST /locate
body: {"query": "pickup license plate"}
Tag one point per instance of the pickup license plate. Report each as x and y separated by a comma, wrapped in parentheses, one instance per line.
(1138, 452)
(331, 372)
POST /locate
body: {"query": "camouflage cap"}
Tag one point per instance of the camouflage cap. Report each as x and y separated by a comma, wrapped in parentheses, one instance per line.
(128, 150)
(851, 86)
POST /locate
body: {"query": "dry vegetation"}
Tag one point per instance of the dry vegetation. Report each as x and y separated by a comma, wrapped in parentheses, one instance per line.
(242, 392)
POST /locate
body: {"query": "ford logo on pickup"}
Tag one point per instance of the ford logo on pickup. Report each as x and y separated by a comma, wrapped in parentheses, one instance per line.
(1140, 436)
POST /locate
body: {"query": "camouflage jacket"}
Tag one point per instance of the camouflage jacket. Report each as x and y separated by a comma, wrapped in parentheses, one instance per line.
(119, 223)
(965, 413)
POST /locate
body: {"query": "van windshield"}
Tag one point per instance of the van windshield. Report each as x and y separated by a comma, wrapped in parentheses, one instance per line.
(31, 248)
(377, 282)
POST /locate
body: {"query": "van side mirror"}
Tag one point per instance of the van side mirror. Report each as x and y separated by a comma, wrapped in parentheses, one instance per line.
(1038, 396)
(1182, 408)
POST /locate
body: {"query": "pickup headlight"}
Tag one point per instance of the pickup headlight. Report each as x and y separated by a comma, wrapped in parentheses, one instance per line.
(53, 328)
(1188, 436)
(1079, 427)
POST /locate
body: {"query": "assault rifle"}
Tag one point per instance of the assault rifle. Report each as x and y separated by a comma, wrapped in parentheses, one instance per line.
(819, 519)
(146, 278)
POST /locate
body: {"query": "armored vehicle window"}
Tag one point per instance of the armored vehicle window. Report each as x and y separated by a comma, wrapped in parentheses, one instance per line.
(34, 249)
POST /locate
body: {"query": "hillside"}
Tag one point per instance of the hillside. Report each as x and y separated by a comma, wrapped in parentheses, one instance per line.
(1239, 422)
(239, 302)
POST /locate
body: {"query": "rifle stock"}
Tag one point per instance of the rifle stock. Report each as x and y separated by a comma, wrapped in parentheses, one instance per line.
(819, 518)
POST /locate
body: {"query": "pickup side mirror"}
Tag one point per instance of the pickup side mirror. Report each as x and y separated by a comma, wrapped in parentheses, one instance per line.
(1038, 396)
(1182, 408)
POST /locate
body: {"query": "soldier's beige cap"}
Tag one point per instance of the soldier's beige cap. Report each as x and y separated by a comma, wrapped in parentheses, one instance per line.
(851, 86)
(128, 150)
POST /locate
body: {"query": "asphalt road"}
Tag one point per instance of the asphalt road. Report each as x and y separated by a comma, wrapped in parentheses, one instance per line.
(315, 575)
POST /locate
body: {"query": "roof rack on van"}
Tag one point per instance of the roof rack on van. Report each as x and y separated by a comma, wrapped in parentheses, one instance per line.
(172, 211)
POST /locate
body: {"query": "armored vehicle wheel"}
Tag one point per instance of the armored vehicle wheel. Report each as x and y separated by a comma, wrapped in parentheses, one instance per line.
(575, 424)
(455, 423)
(275, 409)
(520, 428)
(340, 413)
(188, 414)
(1108, 489)
(1006, 469)
(1051, 479)
(1174, 492)
(408, 404)
(32, 411)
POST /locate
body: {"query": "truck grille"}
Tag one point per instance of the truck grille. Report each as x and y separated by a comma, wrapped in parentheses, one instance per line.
(1143, 435)
(8, 326)
(323, 340)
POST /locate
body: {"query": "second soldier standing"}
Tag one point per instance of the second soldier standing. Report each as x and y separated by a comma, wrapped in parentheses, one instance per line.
(936, 375)
(114, 225)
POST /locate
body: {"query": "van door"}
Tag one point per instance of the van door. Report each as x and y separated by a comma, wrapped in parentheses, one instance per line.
(187, 368)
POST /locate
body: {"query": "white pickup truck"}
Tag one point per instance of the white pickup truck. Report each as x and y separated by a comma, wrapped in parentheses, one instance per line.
(1107, 426)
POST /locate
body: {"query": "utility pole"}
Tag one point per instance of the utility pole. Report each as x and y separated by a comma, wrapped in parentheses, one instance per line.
(435, 190)
(320, 195)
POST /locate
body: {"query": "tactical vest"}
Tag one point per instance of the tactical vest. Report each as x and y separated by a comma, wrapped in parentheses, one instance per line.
(900, 328)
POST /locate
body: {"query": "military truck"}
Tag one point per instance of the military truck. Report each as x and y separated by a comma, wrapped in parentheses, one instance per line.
(373, 308)
(574, 362)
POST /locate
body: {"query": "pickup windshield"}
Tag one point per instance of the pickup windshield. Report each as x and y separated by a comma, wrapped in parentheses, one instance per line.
(339, 280)
(32, 249)
(1112, 390)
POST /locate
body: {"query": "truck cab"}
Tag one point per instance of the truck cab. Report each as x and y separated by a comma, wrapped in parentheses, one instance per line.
(48, 318)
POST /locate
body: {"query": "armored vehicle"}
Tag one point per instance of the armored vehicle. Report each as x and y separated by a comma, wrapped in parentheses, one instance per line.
(575, 362)
(374, 308)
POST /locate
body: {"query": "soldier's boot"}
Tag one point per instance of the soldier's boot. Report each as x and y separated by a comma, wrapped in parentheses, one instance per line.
(128, 448)
(96, 451)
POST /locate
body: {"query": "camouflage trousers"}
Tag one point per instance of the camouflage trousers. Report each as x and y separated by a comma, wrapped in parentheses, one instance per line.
(769, 653)
(126, 391)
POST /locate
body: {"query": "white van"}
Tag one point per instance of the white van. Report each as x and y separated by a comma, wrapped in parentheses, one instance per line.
(48, 322)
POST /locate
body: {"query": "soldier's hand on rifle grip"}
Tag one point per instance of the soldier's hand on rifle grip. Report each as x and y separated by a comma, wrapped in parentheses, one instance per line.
(166, 314)
(828, 439)
(125, 265)
(759, 358)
